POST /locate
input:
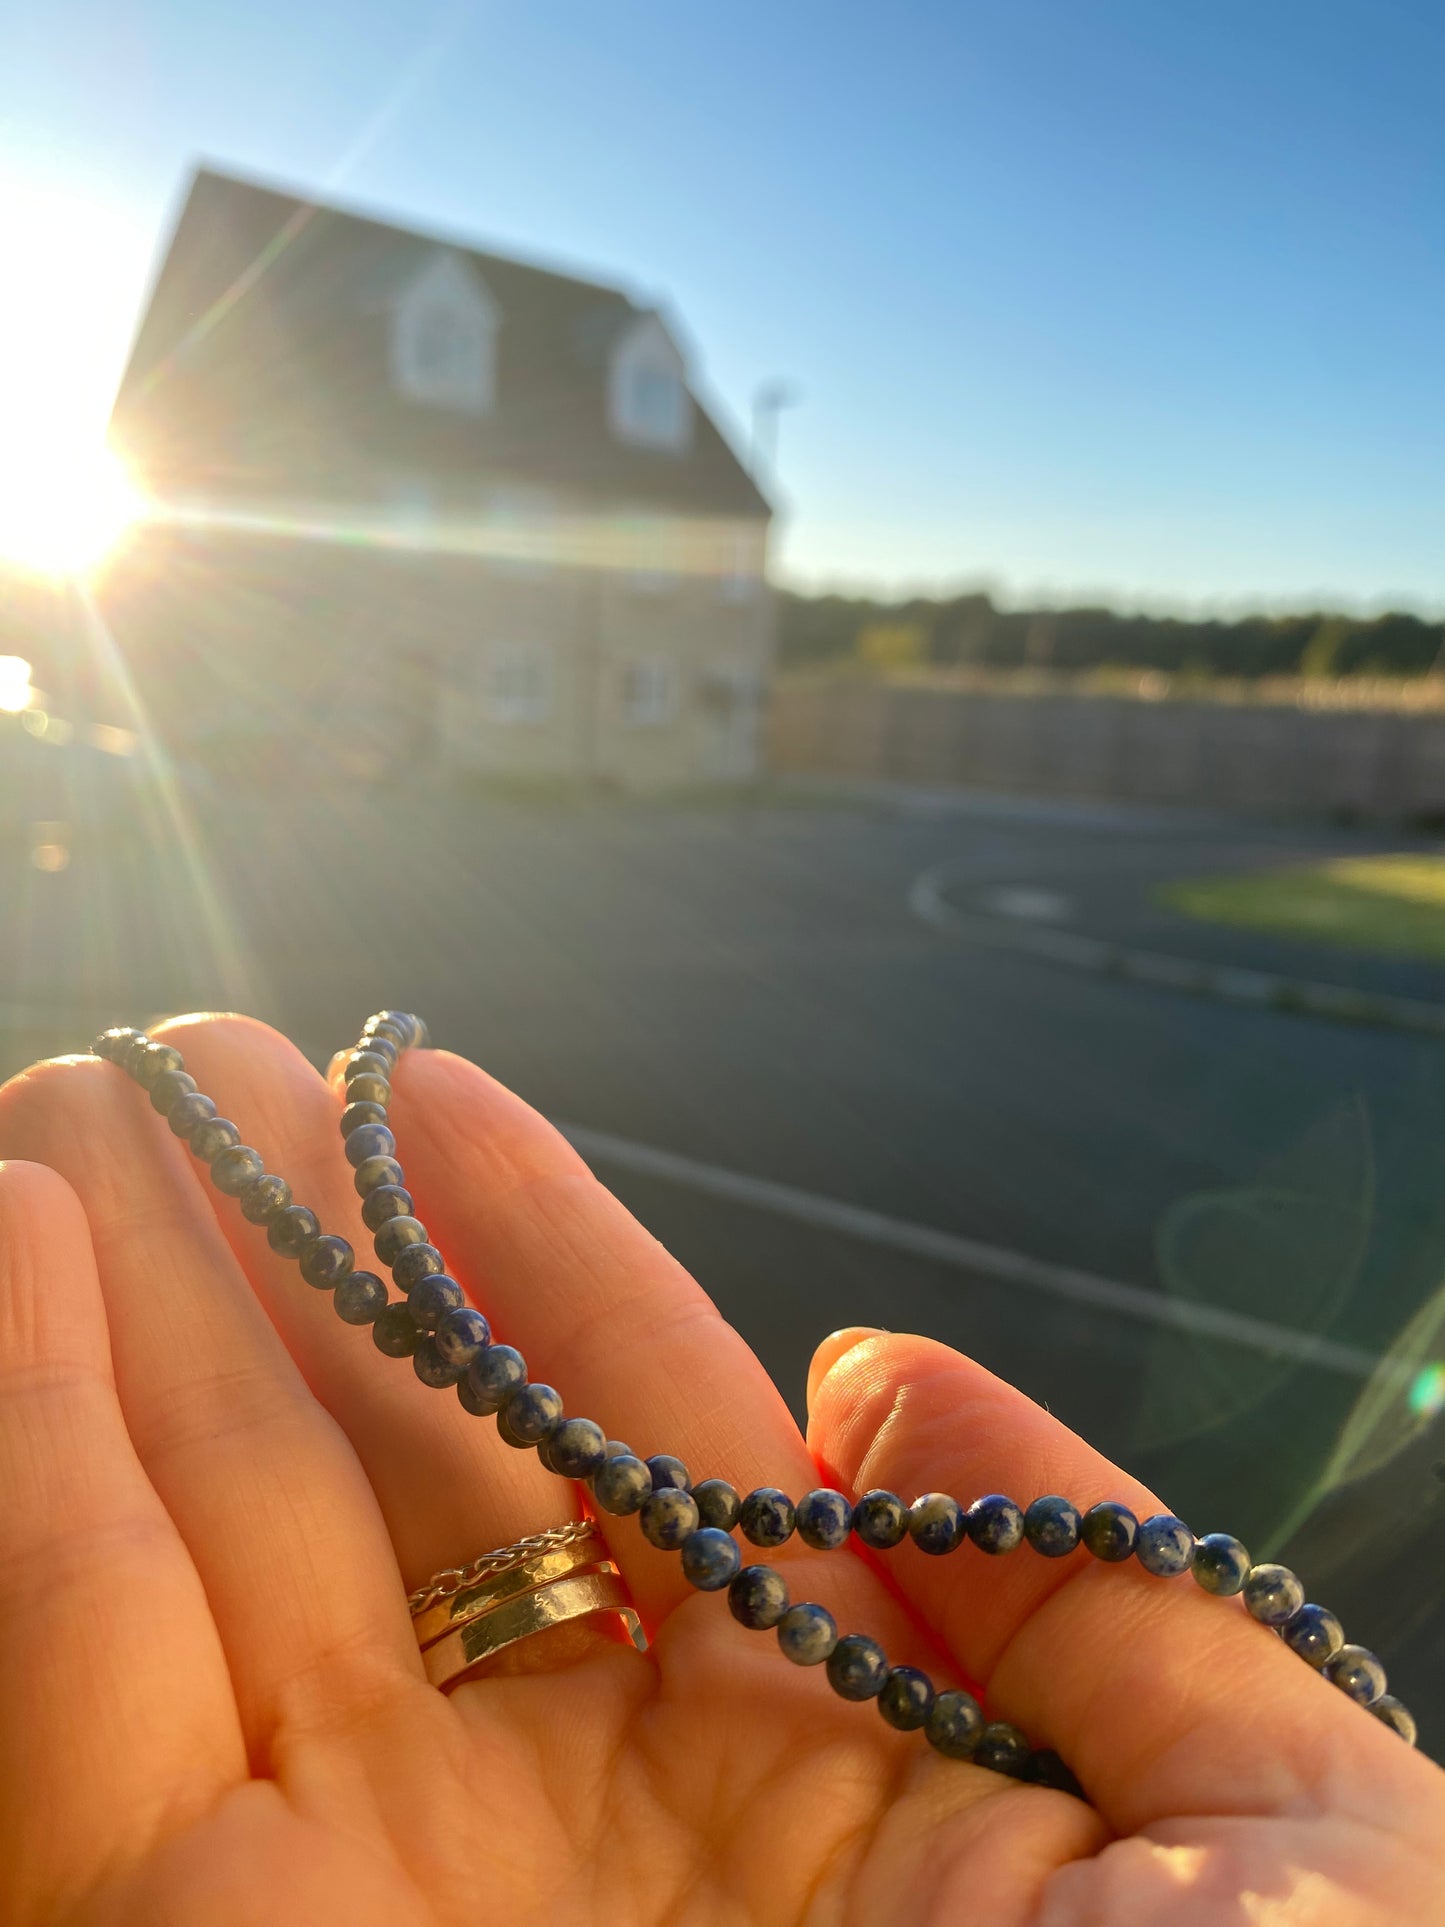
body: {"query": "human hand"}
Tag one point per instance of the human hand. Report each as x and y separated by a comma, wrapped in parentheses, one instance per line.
(216, 1497)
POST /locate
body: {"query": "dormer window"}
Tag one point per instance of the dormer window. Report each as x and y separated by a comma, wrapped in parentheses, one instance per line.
(444, 338)
(648, 400)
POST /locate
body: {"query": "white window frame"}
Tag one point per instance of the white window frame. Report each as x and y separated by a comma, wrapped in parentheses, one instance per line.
(519, 682)
(446, 301)
(648, 691)
(646, 358)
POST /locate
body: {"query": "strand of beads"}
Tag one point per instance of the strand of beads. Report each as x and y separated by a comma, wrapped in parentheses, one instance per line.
(450, 1343)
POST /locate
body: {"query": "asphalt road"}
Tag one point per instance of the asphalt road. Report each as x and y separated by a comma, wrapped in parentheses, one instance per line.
(746, 987)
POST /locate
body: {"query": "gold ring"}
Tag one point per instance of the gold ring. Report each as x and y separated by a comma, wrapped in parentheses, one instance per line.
(578, 1596)
(539, 1568)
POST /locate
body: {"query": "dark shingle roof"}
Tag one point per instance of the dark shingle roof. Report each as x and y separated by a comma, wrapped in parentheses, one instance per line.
(261, 365)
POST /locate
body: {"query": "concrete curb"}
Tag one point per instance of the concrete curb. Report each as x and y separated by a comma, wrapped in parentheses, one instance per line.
(1195, 977)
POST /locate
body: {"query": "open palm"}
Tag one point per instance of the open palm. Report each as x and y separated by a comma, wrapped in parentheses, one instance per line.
(216, 1497)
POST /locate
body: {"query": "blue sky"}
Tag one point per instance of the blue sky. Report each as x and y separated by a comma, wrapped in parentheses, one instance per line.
(1130, 300)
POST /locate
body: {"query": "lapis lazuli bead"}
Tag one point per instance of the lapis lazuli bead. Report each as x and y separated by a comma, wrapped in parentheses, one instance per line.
(1397, 1717)
(807, 1634)
(823, 1519)
(234, 1169)
(668, 1516)
(393, 1237)
(431, 1368)
(291, 1230)
(767, 1517)
(1051, 1526)
(189, 1112)
(880, 1519)
(758, 1598)
(710, 1559)
(369, 1088)
(415, 1263)
(533, 1413)
(578, 1448)
(936, 1523)
(492, 1377)
(857, 1667)
(168, 1090)
(1003, 1749)
(264, 1197)
(356, 1115)
(212, 1136)
(620, 1485)
(1045, 1768)
(380, 1063)
(155, 1059)
(1272, 1594)
(1109, 1530)
(1357, 1673)
(373, 1172)
(905, 1698)
(1221, 1564)
(385, 1202)
(326, 1261)
(1165, 1546)
(1314, 1633)
(954, 1724)
(668, 1471)
(369, 1141)
(718, 1504)
(461, 1332)
(360, 1297)
(995, 1524)
(432, 1297)
(395, 1332)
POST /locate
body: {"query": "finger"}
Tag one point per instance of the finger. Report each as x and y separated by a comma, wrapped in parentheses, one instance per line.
(1162, 1699)
(447, 1486)
(260, 1482)
(117, 1720)
(594, 1303)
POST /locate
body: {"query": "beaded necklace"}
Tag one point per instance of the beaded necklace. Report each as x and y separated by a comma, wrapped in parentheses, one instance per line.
(450, 1343)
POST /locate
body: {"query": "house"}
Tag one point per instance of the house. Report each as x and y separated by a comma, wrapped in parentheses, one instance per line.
(419, 500)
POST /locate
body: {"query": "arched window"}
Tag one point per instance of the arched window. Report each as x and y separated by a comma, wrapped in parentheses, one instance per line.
(648, 399)
(444, 338)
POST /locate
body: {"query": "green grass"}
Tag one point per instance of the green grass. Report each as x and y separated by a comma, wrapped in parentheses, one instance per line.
(1391, 906)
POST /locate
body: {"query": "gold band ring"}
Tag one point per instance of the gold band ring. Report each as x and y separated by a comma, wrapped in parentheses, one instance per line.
(578, 1596)
(533, 1569)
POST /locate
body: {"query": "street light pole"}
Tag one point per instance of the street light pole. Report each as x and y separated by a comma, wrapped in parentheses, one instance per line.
(770, 398)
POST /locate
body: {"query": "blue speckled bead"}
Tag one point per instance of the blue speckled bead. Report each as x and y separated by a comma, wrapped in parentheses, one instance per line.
(212, 1136)
(578, 1448)
(1314, 1633)
(1165, 1545)
(1052, 1526)
(1272, 1594)
(369, 1088)
(431, 1368)
(1109, 1530)
(359, 1298)
(395, 1332)
(1397, 1717)
(153, 1060)
(1357, 1673)
(954, 1724)
(767, 1517)
(291, 1230)
(188, 1112)
(718, 1504)
(461, 1332)
(383, 1047)
(995, 1524)
(615, 1449)
(668, 1516)
(1045, 1768)
(823, 1519)
(936, 1523)
(365, 1061)
(533, 1413)
(758, 1598)
(387, 1201)
(114, 1040)
(432, 1297)
(1002, 1749)
(392, 1238)
(326, 1261)
(620, 1485)
(355, 1115)
(880, 1519)
(264, 1197)
(668, 1473)
(415, 1263)
(369, 1141)
(492, 1377)
(905, 1698)
(710, 1559)
(169, 1088)
(375, 1171)
(807, 1634)
(1221, 1564)
(857, 1667)
(234, 1169)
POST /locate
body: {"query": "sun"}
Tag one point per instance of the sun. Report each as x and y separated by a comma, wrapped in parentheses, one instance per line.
(63, 513)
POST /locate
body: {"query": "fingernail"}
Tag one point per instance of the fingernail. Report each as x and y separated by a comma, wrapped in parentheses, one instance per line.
(834, 1347)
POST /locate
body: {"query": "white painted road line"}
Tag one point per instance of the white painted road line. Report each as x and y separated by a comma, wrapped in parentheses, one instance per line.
(967, 1254)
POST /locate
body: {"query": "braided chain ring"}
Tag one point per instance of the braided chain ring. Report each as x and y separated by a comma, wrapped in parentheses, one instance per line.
(443, 1585)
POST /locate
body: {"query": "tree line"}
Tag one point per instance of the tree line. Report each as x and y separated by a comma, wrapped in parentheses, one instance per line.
(968, 631)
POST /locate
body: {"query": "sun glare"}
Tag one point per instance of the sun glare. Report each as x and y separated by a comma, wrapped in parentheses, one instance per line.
(63, 515)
